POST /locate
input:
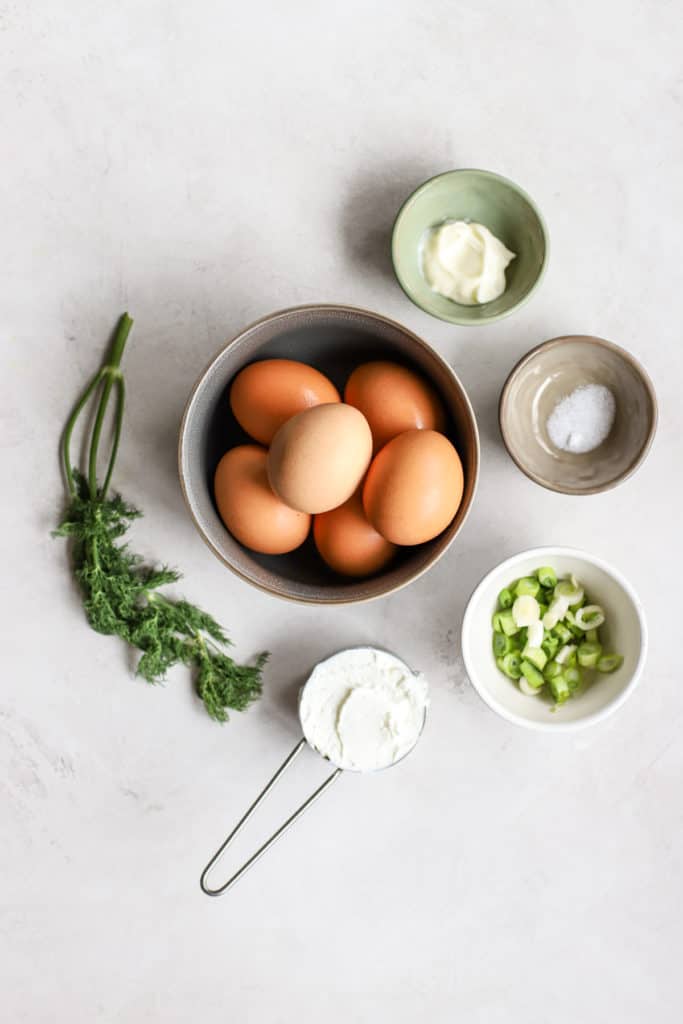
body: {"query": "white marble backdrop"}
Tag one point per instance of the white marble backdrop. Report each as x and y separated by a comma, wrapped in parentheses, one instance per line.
(201, 164)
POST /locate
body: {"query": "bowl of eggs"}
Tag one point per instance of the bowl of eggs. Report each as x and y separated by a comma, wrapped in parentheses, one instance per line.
(328, 455)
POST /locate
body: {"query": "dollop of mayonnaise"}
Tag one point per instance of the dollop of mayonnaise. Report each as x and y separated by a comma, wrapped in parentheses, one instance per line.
(465, 262)
(363, 709)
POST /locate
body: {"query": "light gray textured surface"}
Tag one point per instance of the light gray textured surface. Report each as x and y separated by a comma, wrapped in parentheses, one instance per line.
(200, 165)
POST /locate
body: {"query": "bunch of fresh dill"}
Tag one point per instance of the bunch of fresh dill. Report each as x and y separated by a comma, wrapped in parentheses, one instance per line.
(121, 594)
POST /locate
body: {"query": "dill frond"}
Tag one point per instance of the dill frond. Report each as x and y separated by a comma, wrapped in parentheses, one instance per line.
(121, 593)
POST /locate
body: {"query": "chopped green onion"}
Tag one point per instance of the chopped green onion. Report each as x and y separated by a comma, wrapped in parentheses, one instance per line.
(562, 633)
(501, 644)
(550, 645)
(511, 665)
(546, 576)
(563, 655)
(546, 630)
(576, 631)
(552, 670)
(610, 662)
(534, 634)
(533, 677)
(516, 641)
(528, 689)
(557, 610)
(588, 654)
(536, 656)
(570, 591)
(507, 623)
(572, 625)
(591, 616)
(579, 590)
(559, 687)
(527, 586)
(525, 610)
(573, 678)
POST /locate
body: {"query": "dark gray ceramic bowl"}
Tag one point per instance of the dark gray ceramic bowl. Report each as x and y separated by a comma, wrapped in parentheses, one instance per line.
(334, 339)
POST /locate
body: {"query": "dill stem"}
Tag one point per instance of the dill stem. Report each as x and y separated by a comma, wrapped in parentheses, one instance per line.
(68, 431)
(112, 374)
(118, 422)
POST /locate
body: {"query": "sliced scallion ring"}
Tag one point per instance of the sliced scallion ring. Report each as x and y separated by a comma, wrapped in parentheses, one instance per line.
(527, 586)
(528, 689)
(570, 590)
(532, 675)
(589, 654)
(501, 644)
(552, 670)
(573, 677)
(564, 653)
(525, 610)
(546, 576)
(559, 688)
(511, 665)
(559, 607)
(610, 662)
(591, 616)
(534, 636)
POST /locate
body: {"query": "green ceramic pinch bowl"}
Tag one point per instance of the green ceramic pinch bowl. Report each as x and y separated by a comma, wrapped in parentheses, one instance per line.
(483, 197)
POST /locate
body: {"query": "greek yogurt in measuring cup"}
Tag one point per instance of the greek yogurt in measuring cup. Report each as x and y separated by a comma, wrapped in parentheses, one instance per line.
(363, 708)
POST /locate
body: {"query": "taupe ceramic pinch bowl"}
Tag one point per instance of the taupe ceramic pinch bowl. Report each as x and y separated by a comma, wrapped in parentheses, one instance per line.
(549, 373)
(334, 339)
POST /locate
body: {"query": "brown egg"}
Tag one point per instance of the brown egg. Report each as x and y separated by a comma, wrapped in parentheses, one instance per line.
(413, 487)
(394, 399)
(266, 394)
(318, 458)
(254, 515)
(348, 543)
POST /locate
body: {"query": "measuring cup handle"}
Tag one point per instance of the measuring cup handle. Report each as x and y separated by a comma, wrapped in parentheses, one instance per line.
(276, 835)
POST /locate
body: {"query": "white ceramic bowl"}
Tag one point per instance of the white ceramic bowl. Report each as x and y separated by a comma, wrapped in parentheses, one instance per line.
(624, 632)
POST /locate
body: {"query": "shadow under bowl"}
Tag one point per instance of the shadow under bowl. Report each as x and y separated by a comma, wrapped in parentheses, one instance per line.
(334, 339)
(481, 197)
(549, 373)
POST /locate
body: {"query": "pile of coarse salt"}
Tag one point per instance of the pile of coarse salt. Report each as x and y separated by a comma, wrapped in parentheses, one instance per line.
(582, 421)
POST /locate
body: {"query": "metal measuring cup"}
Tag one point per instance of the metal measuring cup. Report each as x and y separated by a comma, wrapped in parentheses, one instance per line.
(309, 801)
